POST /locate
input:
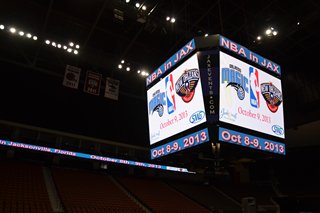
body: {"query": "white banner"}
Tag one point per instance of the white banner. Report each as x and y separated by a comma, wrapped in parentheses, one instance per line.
(71, 77)
(112, 89)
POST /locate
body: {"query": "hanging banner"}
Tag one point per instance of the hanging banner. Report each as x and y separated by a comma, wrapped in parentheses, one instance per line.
(112, 89)
(71, 77)
(92, 83)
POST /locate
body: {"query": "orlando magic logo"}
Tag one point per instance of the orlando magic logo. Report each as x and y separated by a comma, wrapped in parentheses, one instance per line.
(186, 84)
(272, 95)
(171, 102)
(233, 77)
(254, 87)
(157, 103)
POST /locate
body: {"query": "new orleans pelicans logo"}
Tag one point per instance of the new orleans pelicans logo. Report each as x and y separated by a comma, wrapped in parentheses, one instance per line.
(272, 95)
(186, 84)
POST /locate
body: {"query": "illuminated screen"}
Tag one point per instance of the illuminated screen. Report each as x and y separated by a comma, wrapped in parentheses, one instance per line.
(250, 97)
(180, 144)
(251, 141)
(176, 102)
(91, 157)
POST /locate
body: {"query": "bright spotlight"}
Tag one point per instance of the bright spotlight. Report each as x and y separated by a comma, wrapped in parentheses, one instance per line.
(77, 46)
(275, 33)
(144, 7)
(268, 32)
(75, 52)
(59, 46)
(143, 72)
(138, 71)
(122, 61)
(206, 35)
(128, 69)
(259, 38)
(137, 5)
(120, 66)
(69, 50)
(29, 35)
(1, 26)
(168, 18)
(21, 33)
(35, 38)
(12, 30)
(127, 1)
(173, 20)
(71, 44)
(47, 42)
(64, 47)
(54, 44)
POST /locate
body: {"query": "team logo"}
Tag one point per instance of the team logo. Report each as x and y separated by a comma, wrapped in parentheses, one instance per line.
(171, 103)
(157, 103)
(272, 95)
(254, 87)
(234, 78)
(186, 84)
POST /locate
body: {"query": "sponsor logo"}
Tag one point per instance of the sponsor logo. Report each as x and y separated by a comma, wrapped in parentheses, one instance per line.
(196, 117)
(187, 83)
(157, 103)
(272, 96)
(155, 135)
(233, 77)
(171, 103)
(254, 87)
(228, 115)
(278, 130)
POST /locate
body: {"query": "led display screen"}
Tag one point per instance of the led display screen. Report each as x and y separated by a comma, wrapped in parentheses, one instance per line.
(175, 103)
(250, 97)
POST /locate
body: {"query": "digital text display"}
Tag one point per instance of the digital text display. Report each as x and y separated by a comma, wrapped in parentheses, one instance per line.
(180, 144)
(251, 141)
(175, 103)
(250, 97)
(90, 156)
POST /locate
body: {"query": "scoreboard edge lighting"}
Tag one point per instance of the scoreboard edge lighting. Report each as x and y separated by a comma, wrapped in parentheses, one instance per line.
(190, 79)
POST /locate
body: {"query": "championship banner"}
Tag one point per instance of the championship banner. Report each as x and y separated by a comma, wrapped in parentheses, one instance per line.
(92, 83)
(71, 77)
(112, 89)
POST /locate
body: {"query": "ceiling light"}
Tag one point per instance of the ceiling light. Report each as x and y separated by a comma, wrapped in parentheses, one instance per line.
(122, 61)
(120, 66)
(275, 33)
(206, 35)
(128, 69)
(1, 26)
(138, 71)
(35, 38)
(144, 7)
(29, 35)
(137, 5)
(143, 72)
(65, 47)
(21, 33)
(168, 18)
(59, 46)
(259, 38)
(54, 44)
(298, 23)
(12, 30)
(47, 42)
(71, 44)
(77, 46)
(75, 52)
(127, 1)
(268, 32)
(69, 50)
(173, 20)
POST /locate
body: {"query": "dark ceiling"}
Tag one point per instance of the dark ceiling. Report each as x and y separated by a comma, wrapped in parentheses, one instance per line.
(33, 72)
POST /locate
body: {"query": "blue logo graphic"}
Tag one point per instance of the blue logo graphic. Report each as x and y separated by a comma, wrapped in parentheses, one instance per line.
(233, 77)
(157, 102)
(171, 102)
(196, 117)
(254, 87)
(278, 130)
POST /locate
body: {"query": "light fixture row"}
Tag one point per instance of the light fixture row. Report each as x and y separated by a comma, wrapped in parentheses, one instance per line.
(71, 47)
(269, 32)
(126, 66)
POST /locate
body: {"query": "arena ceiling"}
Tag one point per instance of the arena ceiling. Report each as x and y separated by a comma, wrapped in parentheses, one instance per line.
(109, 31)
